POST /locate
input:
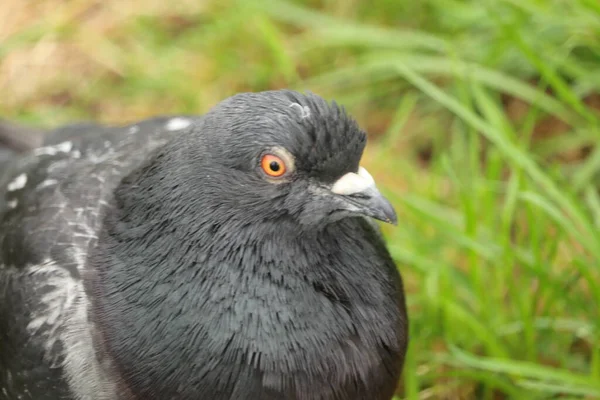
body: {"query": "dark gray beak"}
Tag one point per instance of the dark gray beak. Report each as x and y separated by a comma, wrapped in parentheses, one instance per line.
(362, 197)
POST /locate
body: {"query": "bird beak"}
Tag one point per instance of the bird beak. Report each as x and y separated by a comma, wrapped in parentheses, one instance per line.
(361, 196)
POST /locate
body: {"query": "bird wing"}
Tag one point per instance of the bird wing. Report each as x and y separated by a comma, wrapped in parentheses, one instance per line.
(51, 202)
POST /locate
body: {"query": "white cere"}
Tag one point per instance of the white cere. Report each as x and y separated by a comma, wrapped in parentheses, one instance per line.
(17, 183)
(362, 172)
(304, 111)
(352, 183)
(176, 124)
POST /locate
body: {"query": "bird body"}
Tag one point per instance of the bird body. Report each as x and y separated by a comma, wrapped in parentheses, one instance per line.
(218, 257)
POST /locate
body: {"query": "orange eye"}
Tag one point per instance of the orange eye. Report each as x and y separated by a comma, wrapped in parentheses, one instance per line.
(273, 166)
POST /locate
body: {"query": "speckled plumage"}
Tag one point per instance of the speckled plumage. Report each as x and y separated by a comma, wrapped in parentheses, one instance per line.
(154, 261)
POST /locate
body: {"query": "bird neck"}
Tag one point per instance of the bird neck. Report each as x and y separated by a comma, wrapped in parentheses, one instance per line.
(169, 299)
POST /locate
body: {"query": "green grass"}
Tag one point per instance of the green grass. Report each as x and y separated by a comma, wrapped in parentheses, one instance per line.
(485, 131)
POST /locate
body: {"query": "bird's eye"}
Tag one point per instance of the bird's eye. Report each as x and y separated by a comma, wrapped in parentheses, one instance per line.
(273, 166)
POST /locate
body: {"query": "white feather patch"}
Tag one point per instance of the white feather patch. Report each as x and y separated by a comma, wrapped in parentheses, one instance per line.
(304, 111)
(63, 312)
(46, 183)
(176, 124)
(63, 147)
(18, 183)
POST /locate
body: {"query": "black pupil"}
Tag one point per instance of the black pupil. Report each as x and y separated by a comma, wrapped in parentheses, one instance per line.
(274, 166)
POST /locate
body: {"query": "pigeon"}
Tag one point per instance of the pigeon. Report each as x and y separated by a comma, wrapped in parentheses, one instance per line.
(231, 255)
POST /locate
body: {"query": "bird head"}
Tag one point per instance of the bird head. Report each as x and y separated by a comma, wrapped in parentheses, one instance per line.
(283, 154)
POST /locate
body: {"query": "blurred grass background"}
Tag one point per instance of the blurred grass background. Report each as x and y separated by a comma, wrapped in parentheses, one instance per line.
(484, 125)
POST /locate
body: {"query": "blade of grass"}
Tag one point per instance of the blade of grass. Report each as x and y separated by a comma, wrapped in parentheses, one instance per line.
(273, 38)
(593, 200)
(559, 388)
(484, 333)
(525, 370)
(586, 172)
